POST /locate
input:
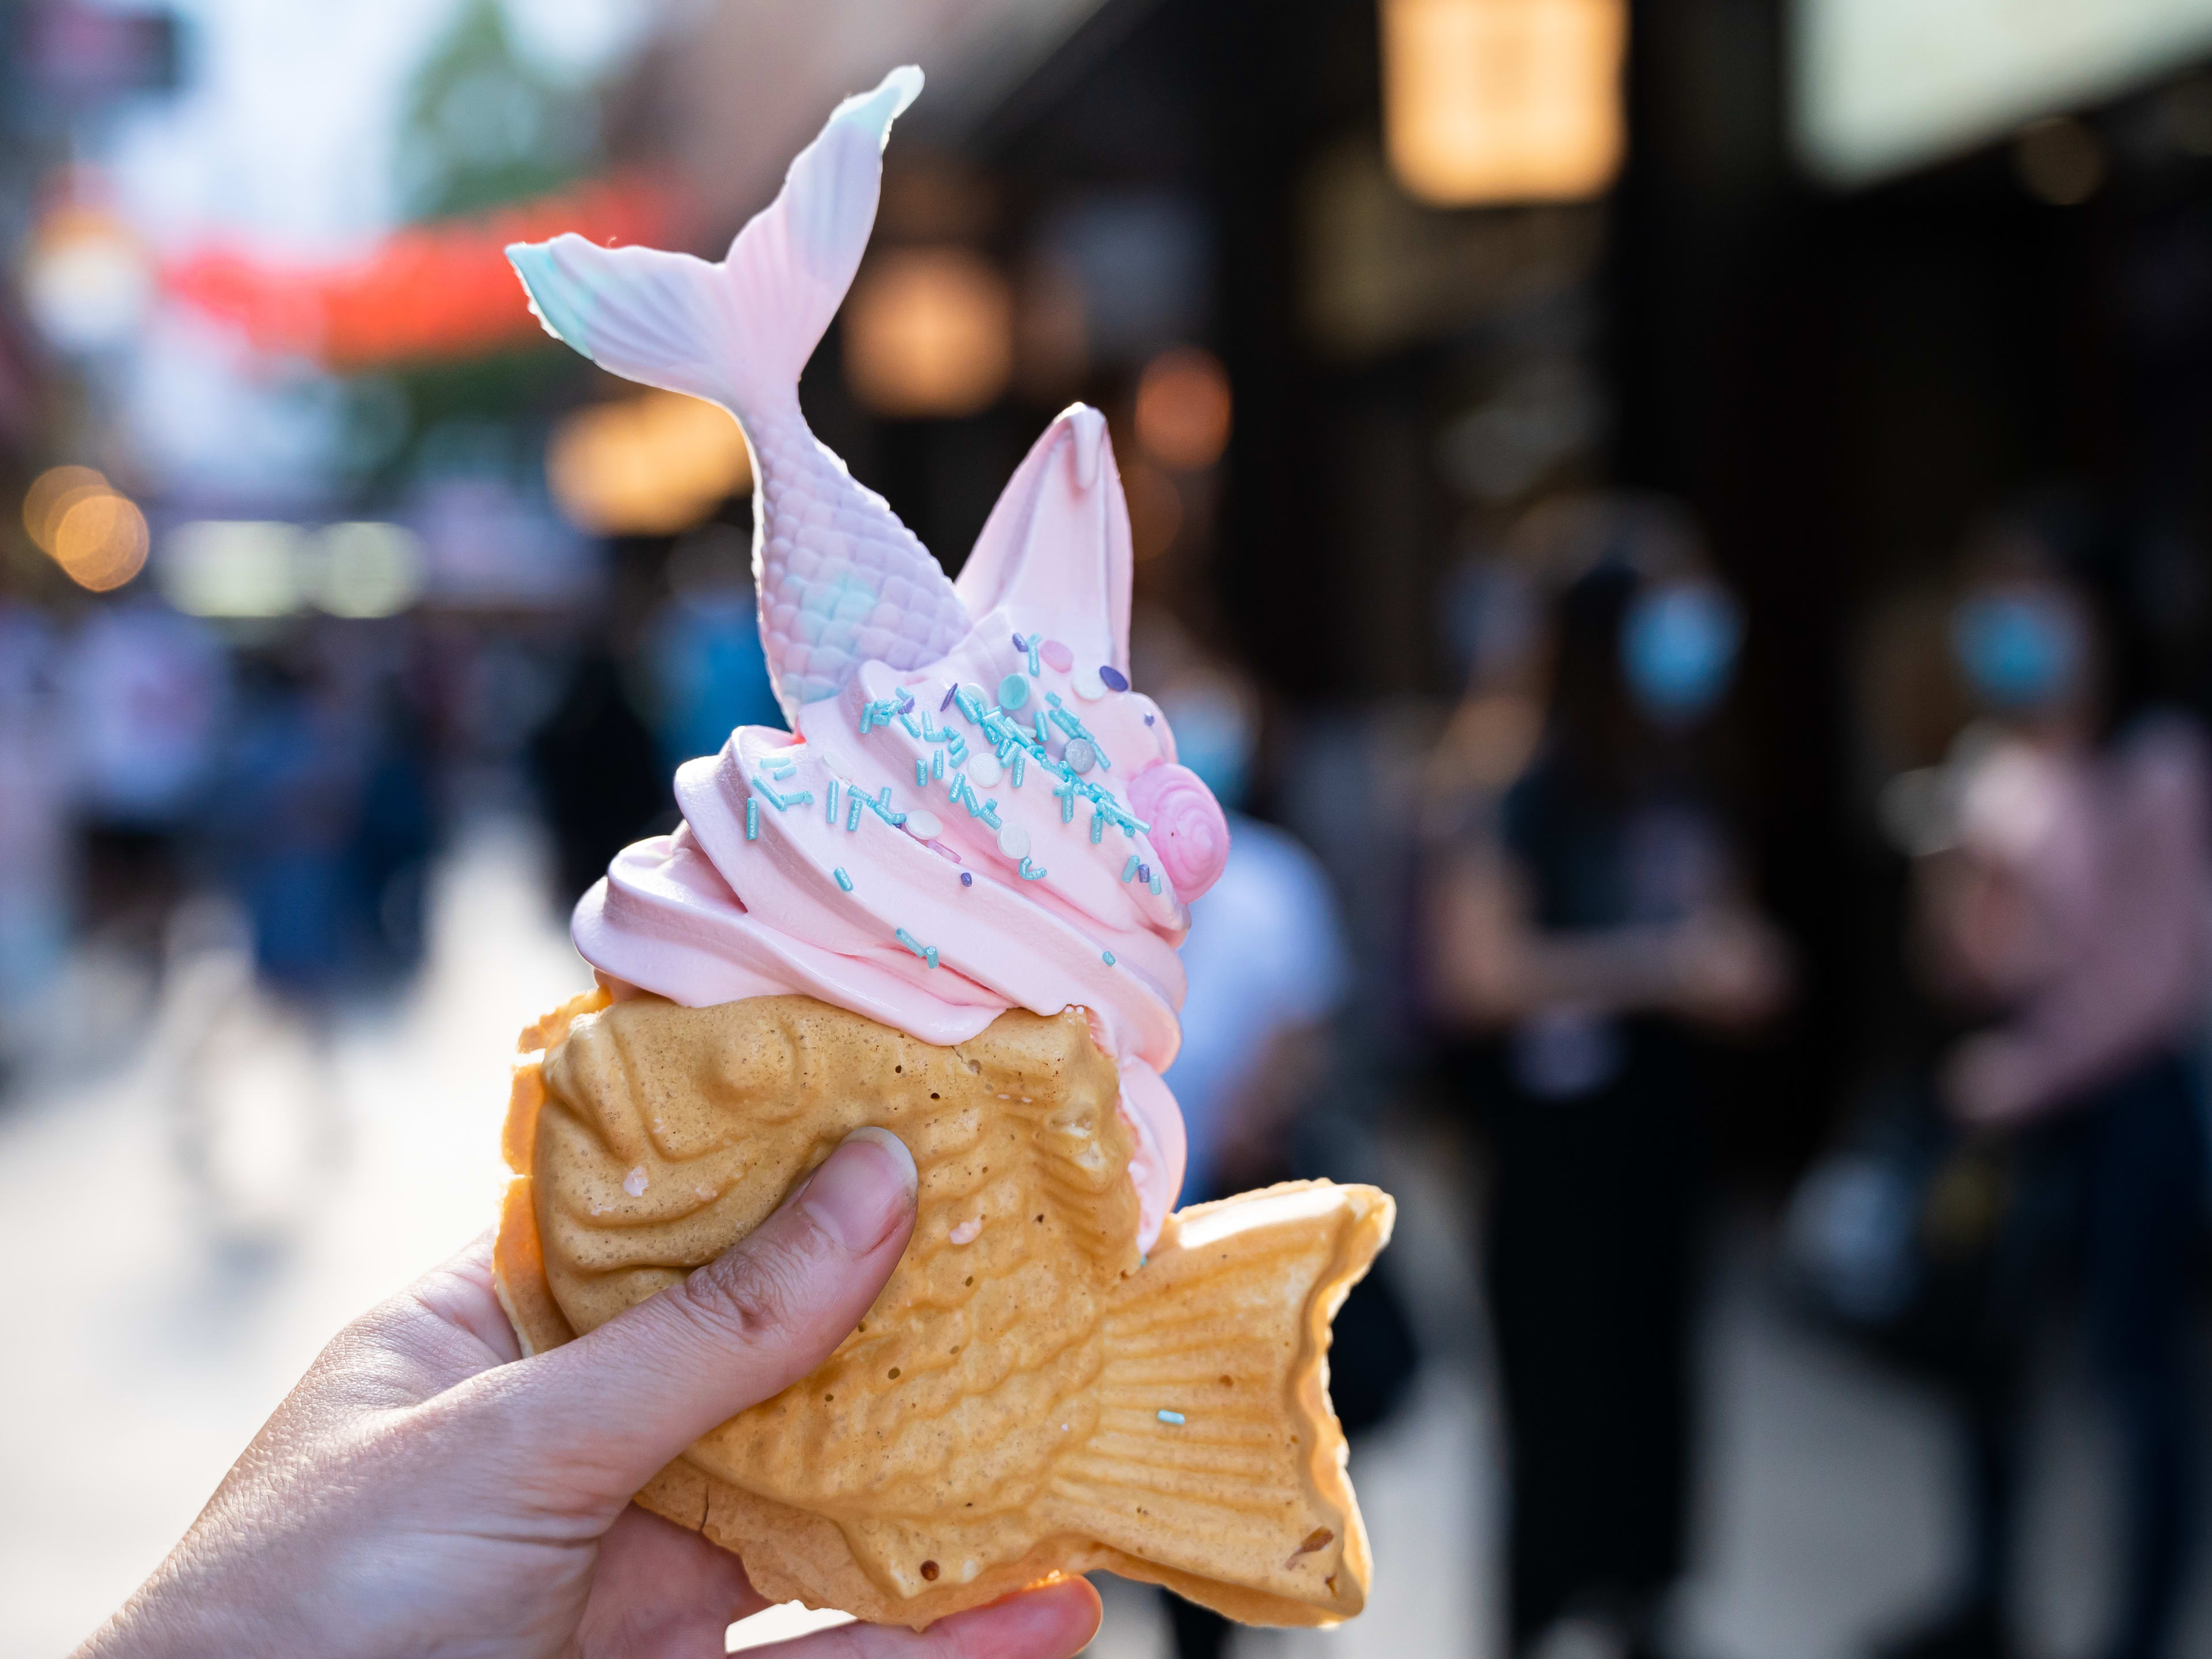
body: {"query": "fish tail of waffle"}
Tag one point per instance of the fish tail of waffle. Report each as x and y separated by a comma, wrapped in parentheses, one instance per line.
(738, 333)
(1218, 1468)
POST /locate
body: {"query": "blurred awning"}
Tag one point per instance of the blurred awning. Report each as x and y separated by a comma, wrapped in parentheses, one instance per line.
(435, 291)
(712, 115)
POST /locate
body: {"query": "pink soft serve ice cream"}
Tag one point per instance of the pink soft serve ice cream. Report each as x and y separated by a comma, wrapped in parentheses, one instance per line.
(973, 810)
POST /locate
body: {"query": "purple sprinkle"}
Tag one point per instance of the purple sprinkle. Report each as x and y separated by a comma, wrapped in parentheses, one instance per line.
(967, 880)
(1144, 874)
(949, 696)
(942, 851)
(1020, 644)
(1114, 679)
(906, 708)
(1148, 720)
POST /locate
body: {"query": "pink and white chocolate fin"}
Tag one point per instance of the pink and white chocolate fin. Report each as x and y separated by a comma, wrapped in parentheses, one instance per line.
(841, 580)
(1057, 543)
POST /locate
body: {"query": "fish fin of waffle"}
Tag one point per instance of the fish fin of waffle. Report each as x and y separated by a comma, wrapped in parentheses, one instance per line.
(1218, 1466)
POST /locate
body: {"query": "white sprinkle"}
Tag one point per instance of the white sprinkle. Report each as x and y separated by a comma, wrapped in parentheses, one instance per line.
(1088, 686)
(634, 1183)
(924, 826)
(983, 769)
(1014, 839)
(966, 1232)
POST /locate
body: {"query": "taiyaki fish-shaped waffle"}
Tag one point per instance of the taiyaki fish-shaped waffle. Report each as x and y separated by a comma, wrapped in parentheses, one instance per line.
(1030, 1394)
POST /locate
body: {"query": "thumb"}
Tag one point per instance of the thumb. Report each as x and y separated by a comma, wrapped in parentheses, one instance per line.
(618, 1403)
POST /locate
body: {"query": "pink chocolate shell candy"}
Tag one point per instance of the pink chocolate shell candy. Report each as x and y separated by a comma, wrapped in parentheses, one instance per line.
(1188, 829)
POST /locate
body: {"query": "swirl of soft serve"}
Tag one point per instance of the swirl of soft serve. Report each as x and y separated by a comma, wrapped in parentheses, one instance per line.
(951, 827)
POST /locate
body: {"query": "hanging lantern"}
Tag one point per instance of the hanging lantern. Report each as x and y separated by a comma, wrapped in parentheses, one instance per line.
(1490, 102)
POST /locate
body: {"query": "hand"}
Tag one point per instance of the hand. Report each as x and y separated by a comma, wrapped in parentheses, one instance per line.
(1989, 1080)
(1730, 968)
(426, 1490)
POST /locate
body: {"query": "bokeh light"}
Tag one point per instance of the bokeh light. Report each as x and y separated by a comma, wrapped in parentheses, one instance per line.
(100, 541)
(51, 495)
(929, 331)
(1504, 100)
(1183, 409)
(649, 465)
(365, 569)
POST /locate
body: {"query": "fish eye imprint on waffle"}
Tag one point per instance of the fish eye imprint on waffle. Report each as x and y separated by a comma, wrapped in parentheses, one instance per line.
(958, 822)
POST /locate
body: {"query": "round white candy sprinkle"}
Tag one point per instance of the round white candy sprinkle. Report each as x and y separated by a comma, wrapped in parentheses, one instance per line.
(1088, 686)
(924, 826)
(1014, 840)
(1079, 754)
(983, 768)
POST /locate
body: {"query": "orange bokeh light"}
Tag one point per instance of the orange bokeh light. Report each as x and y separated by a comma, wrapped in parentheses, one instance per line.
(1183, 409)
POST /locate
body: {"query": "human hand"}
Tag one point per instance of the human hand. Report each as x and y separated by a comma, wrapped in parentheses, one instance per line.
(1730, 968)
(426, 1490)
(1989, 1080)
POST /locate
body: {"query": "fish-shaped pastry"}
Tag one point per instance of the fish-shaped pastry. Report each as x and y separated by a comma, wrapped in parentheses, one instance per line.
(946, 903)
(1030, 1394)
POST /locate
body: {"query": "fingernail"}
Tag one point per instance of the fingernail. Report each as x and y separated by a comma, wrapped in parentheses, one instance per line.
(863, 1191)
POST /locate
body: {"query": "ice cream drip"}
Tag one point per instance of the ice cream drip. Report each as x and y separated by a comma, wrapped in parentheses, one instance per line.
(973, 810)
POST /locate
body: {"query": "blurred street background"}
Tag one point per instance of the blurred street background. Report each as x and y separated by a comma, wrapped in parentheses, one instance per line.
(1682, 533)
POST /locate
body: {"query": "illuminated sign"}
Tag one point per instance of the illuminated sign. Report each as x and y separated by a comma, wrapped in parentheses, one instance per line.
(1883, 86)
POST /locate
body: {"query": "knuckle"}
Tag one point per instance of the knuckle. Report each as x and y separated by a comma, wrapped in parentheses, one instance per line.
(749, 1295)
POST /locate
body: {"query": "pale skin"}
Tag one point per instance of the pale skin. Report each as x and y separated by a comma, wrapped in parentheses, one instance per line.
(1723, 967)
(426, 1490)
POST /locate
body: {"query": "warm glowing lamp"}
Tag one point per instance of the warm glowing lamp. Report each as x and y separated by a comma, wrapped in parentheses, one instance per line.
(1488, 101)
(1183, 408)
(646, 466)
(929, 331)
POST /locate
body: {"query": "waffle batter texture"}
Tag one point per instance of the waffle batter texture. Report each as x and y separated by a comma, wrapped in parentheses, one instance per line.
(1029, 1395)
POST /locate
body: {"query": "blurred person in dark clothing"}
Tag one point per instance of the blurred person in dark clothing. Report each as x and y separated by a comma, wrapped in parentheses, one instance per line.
(2064, 902)
(599, 775)
(1590, 910)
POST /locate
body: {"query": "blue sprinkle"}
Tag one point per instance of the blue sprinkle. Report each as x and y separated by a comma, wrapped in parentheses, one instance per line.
(1019, 766)
(1013, 692)
(1106, 956)
(920, 773)
(752, 819)
(1113, 678)
(780, 767)
(1031, 872)
(1166, 1416)
(926, 953)
(907, 721)
(967, 880)
(831, 813)
(1155, 881)
(1035, 667)
(1097, 828)
(937, 764)
(1067, 806)
(1040, 732)
(852, 812)
(1131, 868)
(843, 880)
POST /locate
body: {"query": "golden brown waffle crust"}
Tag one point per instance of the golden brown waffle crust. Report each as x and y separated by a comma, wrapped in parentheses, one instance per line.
(791, 1554)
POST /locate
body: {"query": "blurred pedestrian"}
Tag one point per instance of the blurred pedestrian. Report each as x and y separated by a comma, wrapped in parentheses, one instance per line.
(2065, 903)
(1590, 910)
